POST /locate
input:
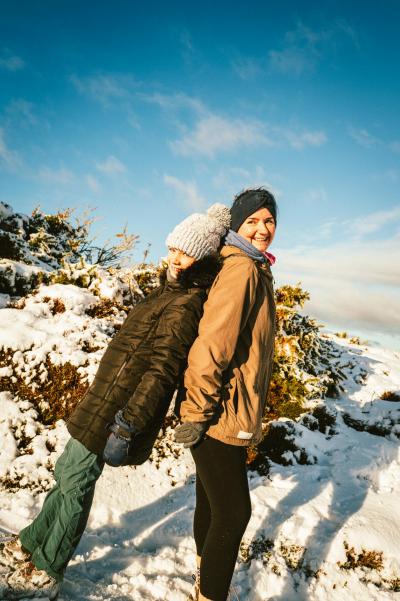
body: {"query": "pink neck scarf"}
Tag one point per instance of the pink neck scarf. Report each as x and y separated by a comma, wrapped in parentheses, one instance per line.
(271, 258)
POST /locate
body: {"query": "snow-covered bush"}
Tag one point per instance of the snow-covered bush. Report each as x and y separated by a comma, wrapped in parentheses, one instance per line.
(306, 364)
(33, 246)
(120, 286)
(49, 249)
(69, 307)
(29, 449)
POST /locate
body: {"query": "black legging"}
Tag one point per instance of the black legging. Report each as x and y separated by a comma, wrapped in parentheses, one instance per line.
(223, 510)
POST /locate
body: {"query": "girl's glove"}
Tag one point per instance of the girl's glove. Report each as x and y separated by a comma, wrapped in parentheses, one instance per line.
(117, 446)
(190, 433)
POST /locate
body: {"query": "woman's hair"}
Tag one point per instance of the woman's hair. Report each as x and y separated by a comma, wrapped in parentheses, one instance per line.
(249, 201)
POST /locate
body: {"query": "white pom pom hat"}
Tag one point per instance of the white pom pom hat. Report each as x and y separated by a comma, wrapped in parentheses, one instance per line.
(200, 234)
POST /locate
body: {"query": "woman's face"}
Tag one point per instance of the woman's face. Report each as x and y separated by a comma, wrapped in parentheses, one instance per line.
(259, 229)
(178, 261)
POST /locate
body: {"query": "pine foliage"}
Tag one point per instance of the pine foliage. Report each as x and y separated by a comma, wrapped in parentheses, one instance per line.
(304, 367)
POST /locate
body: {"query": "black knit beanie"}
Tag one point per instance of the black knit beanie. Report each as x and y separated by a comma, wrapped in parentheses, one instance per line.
(248, 202)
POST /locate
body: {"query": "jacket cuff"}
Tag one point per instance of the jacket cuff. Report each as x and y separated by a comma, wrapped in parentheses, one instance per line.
(123, 423)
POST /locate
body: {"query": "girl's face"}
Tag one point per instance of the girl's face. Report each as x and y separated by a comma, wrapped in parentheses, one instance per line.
(259, 229)
(178, 261)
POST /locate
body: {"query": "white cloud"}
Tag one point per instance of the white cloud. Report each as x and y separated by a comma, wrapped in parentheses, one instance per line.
(175, 102)
(363, 137)
(247, 67)
(364, 261)
(21, 111)
(186, 40)
(231, 180)
(304, 48)
(187, 192)
(372, 222)
(11, 62)
(395, 145)
(226, 176)
(351, 284)
(111, 166)
(390, 175)
(292, 61)
(134, 121)
(9, 158)
(93, 183)
(355, 307)
(189, 52)
(341, 25)
(213, 134)
(358, 229)
(56, 176)
(300, 140)
(106, 88)
(316, 195)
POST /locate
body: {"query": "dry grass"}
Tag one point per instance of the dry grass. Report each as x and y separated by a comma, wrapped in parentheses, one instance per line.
(259, 548)
(106, 308)
(293, 556)
(390, 395)
(372, 560)
(56, 305)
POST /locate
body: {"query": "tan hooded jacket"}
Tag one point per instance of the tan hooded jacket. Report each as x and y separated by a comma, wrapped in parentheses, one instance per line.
(230, 362)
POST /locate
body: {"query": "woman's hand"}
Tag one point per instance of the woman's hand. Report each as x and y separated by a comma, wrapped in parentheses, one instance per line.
(117, 446)
(190, 433)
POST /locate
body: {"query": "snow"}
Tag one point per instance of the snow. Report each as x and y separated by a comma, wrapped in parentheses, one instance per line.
(5, 210)
(138, 543)
(34, 333)
(74, 299)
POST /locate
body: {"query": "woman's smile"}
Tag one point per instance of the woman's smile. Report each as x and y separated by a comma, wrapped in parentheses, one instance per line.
(259, 229)
(178, 261)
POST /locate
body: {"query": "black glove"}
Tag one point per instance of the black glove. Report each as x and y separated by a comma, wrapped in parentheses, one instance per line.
(117, 446)
(190, 433)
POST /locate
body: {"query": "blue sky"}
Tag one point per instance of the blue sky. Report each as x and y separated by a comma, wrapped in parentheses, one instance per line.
(149, 111)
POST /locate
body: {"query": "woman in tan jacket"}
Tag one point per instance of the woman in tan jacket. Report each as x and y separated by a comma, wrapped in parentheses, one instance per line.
(226, 386)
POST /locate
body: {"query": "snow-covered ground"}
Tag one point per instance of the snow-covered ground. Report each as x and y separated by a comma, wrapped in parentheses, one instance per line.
(326, 530)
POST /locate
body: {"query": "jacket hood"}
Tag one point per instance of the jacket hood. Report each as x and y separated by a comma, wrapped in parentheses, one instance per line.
(199, 275)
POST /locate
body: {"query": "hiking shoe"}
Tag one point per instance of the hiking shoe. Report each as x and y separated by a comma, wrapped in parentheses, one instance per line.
(232, 593)
(14, 553)
(28, 581)
(194, 595)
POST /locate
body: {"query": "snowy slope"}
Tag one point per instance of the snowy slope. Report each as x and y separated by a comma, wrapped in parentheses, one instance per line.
(138, 544)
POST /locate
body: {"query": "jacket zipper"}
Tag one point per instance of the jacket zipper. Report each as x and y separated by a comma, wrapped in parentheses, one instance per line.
(113, 384)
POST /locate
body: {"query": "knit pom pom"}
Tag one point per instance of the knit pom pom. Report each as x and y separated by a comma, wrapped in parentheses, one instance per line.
(221, 214)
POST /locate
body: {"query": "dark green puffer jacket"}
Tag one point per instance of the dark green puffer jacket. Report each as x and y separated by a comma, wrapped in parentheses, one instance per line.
(144, 362)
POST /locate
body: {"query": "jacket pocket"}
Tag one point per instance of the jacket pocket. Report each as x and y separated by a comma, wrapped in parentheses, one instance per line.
(248, 412)
(229, 402)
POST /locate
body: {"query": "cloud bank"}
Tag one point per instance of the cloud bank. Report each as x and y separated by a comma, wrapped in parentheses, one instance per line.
(187, 192)
(350, 287)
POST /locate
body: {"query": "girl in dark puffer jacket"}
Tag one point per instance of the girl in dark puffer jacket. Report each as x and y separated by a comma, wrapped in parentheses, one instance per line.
(120, 416)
